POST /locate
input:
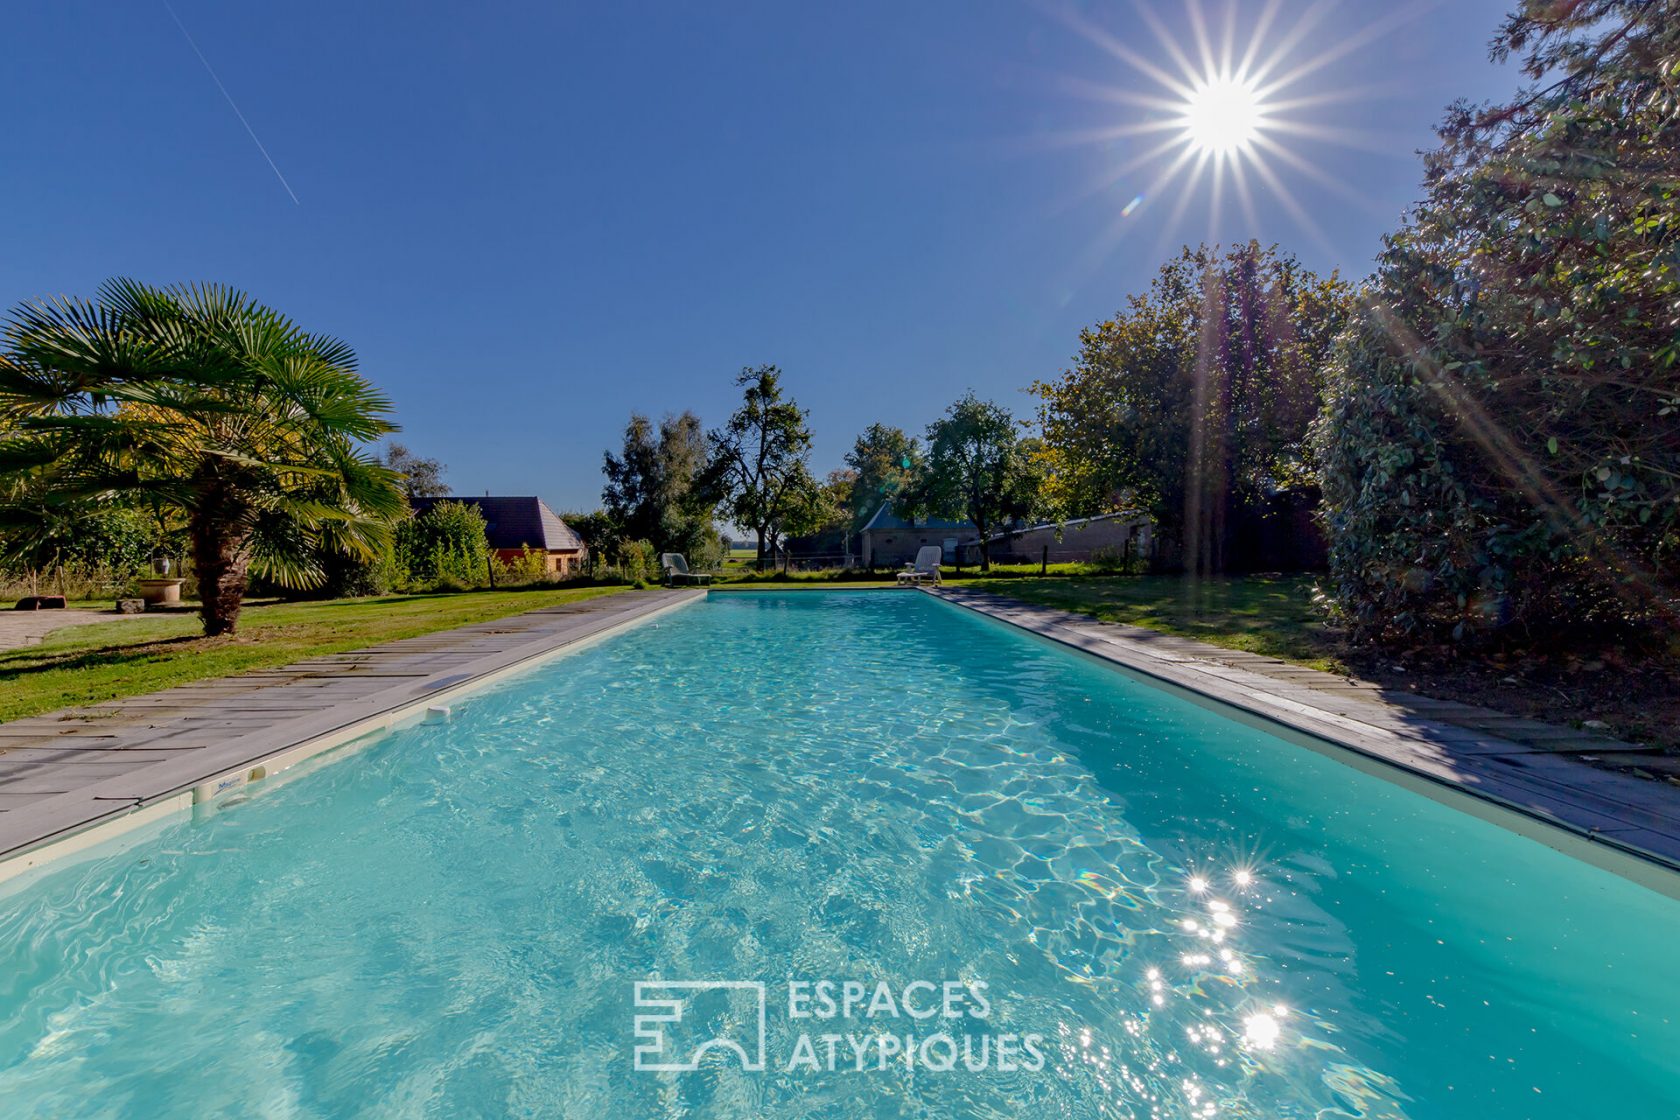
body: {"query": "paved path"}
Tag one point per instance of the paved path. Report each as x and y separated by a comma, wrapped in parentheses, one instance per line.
(1520, 763)
(64, 772)
(27, 628)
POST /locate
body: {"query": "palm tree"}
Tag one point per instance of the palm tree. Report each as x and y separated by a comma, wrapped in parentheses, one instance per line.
(198, 400)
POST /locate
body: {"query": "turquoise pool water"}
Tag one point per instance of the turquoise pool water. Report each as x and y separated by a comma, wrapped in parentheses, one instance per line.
(1193, 917)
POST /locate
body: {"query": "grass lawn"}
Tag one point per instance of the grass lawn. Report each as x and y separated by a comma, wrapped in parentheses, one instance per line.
(103, 661)
(1273, 615)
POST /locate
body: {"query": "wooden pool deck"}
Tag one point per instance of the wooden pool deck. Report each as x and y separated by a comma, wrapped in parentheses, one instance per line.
(83, 772)
(1518, 764)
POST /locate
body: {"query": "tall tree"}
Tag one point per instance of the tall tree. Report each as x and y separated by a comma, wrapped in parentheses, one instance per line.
(655, 489)
(760, 459)
(1500, 451)
(1196, 399)
(421, 477)
(200, 400)
(978, 468)
(886, 460)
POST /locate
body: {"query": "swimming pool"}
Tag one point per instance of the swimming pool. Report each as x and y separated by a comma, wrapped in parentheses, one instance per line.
(1190, 916)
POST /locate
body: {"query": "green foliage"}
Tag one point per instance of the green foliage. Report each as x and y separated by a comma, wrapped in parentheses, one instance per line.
(656, 488)
(89, 550)
(201, 402)
(885, 461)
(639, 563)
(600, 535)
(357, 577)
(80, 535)
(978, 468)
(708, 553)
(1194, 401)
(1501, 443)
(445, 546)
(760, 461)
(530, 566)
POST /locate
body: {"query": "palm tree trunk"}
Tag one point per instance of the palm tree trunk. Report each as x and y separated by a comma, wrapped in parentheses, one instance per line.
(221, 562)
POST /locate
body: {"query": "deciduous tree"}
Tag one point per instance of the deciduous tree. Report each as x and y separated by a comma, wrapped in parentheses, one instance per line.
(421, 477)
(979, 468)
(761, 458)
(885, 461)
(656, 487)
(1195, 400)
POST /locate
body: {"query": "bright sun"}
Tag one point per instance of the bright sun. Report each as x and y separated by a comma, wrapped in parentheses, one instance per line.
(1218, 110)
(1223, 116)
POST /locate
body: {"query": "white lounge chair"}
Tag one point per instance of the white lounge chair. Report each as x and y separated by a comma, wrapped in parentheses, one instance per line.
(676, 570)
(926, 567)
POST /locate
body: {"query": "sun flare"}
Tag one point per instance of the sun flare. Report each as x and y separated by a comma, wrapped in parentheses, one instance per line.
(1223, 116)
(1226, 108)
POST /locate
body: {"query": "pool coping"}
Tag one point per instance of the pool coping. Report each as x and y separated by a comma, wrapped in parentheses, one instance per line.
(59, 824)
(1608, 810)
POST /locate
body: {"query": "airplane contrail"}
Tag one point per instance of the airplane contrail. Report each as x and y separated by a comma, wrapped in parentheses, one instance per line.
(208, 69)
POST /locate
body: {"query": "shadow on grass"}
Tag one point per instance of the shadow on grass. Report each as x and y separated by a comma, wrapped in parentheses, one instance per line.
(374, 601)
(99, 657)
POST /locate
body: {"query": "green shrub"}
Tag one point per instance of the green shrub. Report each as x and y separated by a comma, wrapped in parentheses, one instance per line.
(446, 544)
(639, 563)
(356, 577)
(530, 566)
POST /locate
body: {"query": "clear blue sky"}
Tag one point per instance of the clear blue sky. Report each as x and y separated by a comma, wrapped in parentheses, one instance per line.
(531, 219)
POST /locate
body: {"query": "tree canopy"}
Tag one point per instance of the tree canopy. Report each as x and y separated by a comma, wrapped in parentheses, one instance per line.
(1501, 444)
(761, 460)
(978, 469)
(656, 487)
(420, 477)
(885, 461)
(1194, 401)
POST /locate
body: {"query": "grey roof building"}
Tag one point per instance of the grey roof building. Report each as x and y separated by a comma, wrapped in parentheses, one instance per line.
(890, 540)
(1125, 535)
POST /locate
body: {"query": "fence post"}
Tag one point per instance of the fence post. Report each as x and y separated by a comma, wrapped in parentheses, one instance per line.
(1044, 562)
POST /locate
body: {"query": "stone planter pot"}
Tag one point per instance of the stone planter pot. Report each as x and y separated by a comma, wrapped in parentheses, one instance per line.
(161, 592)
